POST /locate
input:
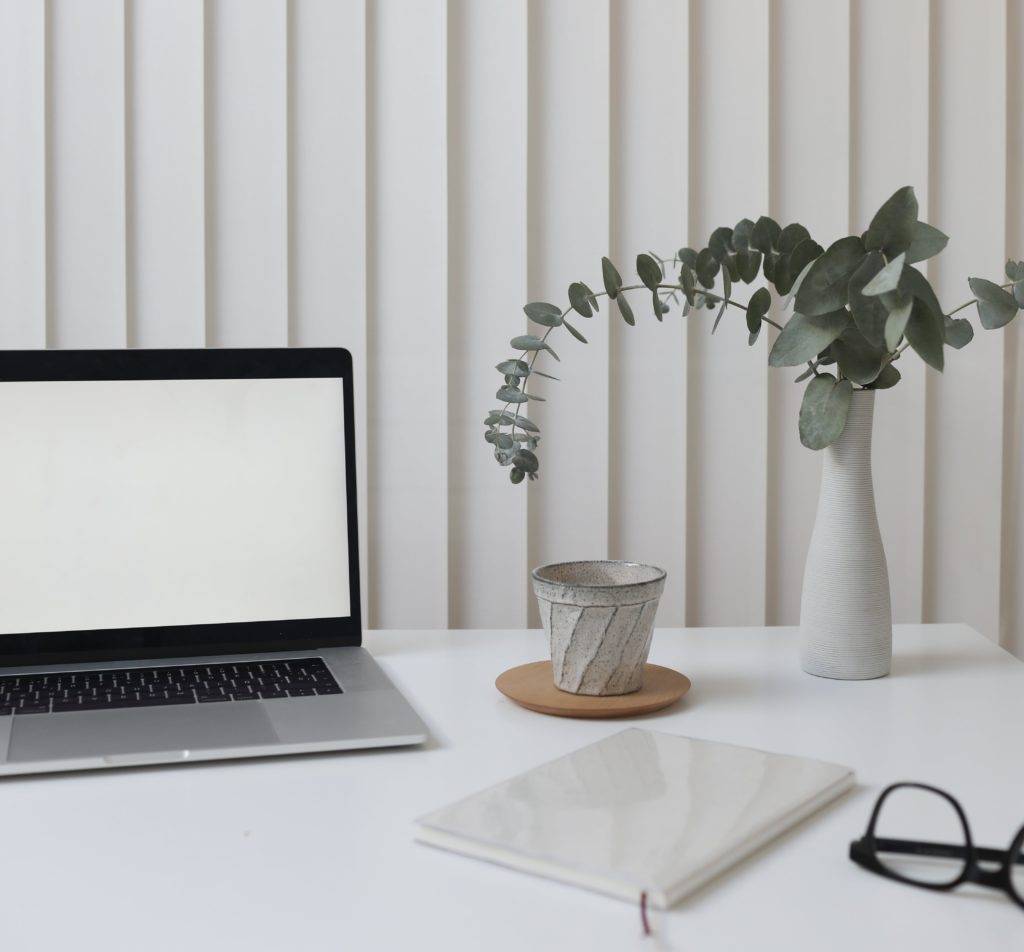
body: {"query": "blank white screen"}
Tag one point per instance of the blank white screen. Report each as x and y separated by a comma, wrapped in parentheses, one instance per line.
(171, 502)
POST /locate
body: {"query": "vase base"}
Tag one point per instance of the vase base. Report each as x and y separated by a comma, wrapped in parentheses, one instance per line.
(845, 669)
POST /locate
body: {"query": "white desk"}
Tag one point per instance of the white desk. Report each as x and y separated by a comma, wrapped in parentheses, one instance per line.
(316, 852)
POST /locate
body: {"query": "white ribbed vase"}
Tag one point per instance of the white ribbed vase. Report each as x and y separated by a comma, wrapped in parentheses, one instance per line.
(845, 612)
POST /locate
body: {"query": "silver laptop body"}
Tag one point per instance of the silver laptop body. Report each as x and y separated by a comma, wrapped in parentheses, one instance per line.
(179, 573)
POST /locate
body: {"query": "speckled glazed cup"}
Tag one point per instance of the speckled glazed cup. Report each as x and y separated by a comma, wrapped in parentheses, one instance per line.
(599, 617)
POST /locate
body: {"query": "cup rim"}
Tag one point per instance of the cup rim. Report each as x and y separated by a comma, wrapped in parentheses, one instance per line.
(658, 577)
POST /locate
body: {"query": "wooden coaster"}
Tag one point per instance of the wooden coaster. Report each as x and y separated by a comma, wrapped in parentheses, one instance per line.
(532, 686)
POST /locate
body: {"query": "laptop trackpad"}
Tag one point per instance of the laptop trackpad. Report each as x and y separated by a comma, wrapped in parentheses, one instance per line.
(139, 731)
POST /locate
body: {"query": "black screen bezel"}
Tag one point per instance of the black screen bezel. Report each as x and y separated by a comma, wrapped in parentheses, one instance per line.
(129, 644)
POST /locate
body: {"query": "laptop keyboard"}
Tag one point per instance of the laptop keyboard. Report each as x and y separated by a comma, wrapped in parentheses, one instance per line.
(158, 687)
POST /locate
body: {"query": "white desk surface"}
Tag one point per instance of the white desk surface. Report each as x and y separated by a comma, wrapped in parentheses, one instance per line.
(316, 852)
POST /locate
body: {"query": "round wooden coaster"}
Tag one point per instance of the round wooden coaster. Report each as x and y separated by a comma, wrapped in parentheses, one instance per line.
(532, 686)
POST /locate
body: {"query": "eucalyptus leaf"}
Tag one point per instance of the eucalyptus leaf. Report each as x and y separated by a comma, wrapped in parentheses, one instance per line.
(927, 242)
(768, 266)
(1018, 293)
(765, 235)
(582, 299)
(996, 307)
(1015, 270)
(526, 461)
(741, 234)
(491, 436)
(540, 373)
(798, 266)
(540, 312)
(757, 307)
(525, 423)
(791, 236)
(731, 266)
(516, 475)
(749, 265)
(611, 277)
(858, 359)
(869, 313)
(688, 257)
(649, 270)
(887, 279)
(926, 334)
(809, 372)
(914, 283)
(625, 310)
(707, 268)
(795, 289)
(893, 228)
(511, 395)
(497, 417)
(823, 411)
(515, 368)
(719, 315)
(504, 441)
(529, 342)
(957, 331)
(805, 335)
(686, 280)
(575, 333)
(660, 308)
(889, 377)
(825, 287)
(720, 243)
(896, 322)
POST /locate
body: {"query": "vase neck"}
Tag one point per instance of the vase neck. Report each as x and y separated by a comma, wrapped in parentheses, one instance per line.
(854, 445)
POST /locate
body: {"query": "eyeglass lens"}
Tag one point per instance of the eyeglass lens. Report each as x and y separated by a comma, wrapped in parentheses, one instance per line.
(909, 813)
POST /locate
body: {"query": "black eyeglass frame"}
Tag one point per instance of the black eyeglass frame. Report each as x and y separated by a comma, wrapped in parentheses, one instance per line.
(864, 852)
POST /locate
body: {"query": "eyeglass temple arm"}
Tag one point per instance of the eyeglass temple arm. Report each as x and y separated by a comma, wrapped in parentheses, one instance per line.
(956, 851)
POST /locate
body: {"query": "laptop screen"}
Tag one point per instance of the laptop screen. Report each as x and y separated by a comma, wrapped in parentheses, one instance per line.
(172, 502)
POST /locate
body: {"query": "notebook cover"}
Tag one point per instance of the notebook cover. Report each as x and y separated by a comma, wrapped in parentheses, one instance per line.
(637, 812)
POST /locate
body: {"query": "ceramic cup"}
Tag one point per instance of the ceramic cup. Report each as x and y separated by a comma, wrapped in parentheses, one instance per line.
(599, 617)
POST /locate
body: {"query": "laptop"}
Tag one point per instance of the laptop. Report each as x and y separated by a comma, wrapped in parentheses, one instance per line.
(179, 571)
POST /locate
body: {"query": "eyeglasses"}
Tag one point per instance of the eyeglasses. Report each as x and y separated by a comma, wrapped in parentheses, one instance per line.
(948, 857)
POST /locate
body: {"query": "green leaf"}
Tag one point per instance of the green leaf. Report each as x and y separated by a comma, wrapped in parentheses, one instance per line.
(996, 307)
(514, 368)
(958, 332)
(896, 322)
(749, 264)
(757, 307)
(516, 475)
(887, 279)
(791, 236)
(649, 270)
(688, 257)
(768, 266)
(660, 308)
(575, 333)
(707, 267)
(889, 377)
(529, 342)
(765, 235)
(540, 312)
(686, 279)
(720, 243)
(809, 372)
(926, 243)
(893, 228)
(797, 264)
(731, 266)
(913, 282)
(1018, 293)
(612, 280)
(491, 436)
(582, 299)
(540, 373)
(526, 461)
(625, 310)
(741, 234)
(1015, 270)
(825, 288)
(498, 416)
(804, 336)
(511, 395)
(823, 411)
(719, 316)
(869, 313)
(504, 441)
(857, 358)
(926, 334)
(525, 423)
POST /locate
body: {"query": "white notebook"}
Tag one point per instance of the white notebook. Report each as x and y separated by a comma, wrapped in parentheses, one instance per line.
(638, 812)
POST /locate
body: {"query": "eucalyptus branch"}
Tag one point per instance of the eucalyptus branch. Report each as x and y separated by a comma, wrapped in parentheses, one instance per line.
(850, 300)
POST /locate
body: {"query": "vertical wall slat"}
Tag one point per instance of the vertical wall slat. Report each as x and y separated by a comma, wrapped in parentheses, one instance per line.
(166, 202)
(965, 405)
(23, 170)
(810, 184)
(487, 289)
(86, 195)
(1012, 620)
(649, 89)
(568, 228)
(727, 379)
(890, 149)
(247, 177)
(408, 316)
(327, 198)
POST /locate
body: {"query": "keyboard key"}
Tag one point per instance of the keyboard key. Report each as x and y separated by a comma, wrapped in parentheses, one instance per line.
(33, 709)
(269, 694)
(328, 689)
(208, 698)
(300, 691)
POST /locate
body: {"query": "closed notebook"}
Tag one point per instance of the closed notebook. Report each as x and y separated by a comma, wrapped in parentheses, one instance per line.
(638, 812)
